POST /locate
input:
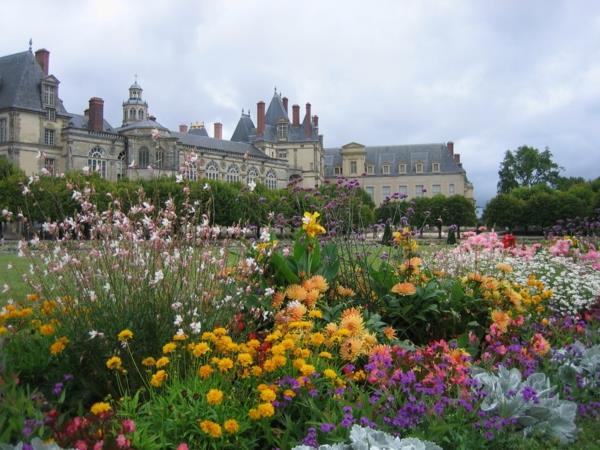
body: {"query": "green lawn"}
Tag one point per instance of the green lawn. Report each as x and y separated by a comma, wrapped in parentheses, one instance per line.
(12, 277)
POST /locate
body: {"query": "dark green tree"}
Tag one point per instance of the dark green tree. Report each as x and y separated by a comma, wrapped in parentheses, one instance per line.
(527, 166)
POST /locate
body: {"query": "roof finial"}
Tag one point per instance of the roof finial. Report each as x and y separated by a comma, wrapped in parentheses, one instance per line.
(30, 43)
(242, 111)
(275, 90)
(135, 77)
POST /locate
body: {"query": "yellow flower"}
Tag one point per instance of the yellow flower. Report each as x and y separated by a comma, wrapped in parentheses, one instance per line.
(180, 337)
(315, 314)
(125, 335)
(244, 359)
(310, 224)
(231, 426)
(158, 378)
(345, 292)
(325, 355)
(257, 371)
(59, 345)
(296, 292)
(329, 373)
(267, 395)
(162, 362)
(200, 349)
(214, 396)
(220, 331)
(169, 347)
(254, 414)
(289, 393)
(211, 428)
(3, 330)
(100, 408)
(307, 369)
(225, 364)
(114, 363)
(404, 289)
(317, 339)
(503, 267)
(205, 371)
(317, 282)
(149, 361)
(47, 329)
(266, 410)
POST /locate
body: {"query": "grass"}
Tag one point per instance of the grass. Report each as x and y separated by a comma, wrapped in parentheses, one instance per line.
(12, 277)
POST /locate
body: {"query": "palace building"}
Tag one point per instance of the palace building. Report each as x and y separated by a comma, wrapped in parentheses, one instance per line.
(40, 136)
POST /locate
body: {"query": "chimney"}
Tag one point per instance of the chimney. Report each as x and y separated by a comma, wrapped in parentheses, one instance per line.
(450, 147)
(457, 158)
(218, 134)
(285, 104)
(183, 128)
(296, 115)
(42, 56)
(315, 121)
(260, 118)
(307, 123)
(96, 114)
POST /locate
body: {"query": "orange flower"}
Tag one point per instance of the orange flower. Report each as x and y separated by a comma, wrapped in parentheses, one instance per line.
(345, 292)
(404, 289)
(296, 292)
(501, 320)
(389, 333)
(539, 344)
(278, 298)
(316, 282)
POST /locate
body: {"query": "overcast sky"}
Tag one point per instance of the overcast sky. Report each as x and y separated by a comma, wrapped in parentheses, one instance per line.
(488, 75)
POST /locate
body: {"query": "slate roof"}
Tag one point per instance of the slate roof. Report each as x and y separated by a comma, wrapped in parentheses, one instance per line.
(20, 83)
(276, 111)
(244, 129)
(220, 145)
(81, 122)
(396, 154)
(143, 124)
(198, 131)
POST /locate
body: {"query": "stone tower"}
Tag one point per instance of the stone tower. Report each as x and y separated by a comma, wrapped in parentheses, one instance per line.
(135, 108)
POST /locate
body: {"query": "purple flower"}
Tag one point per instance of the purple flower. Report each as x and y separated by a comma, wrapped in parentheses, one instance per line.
(57, 389)
(327, 427)
(311, 438)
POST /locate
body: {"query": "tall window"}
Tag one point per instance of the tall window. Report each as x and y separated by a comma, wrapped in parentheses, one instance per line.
(370, 169)
(252, 175)
(370, 191)
(96, 161)
(50, 114)
(435, 167)
(403, 190)
(143, 158)
(122, 165)
(419, 167)
(132, 114)
(385, 169)
(212, 171)
(282, 131)
(3, 130)
(385, 191)
(436, 189)
(337, 170)
(191, 173)
(419, 190)
(48, 136)
(50, 165)
(402, 168)
(141, 114)
(49, 95)
(271, 180)
(353, 170)
(160, 158)
(233, 174)
(451, 189)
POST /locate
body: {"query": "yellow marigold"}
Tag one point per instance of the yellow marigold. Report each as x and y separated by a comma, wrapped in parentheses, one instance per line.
(298, 363)
(114, 363)
(205, 371)
(307, 369)
(254, 414)
(231, 426)
(317, 282)
(220, 331)
(288, 393)
(214, 396)
(179, 337)
(169, 347)
(3, 330)
(211, 428)
(279, 360)
(317, 339)
(405, 288)
(100, 408)
(296, 292)
(389, 333)
(269, 365)
(345, 292)
(149, 361)
(266, 410)
(225, 364)
(244, 359)
(311, 225)
(162, 362)
(125, 335)
(329, 373)
(257, 371)
(267, 395)
(208, 336)
(47, 329)
(288, 343)
(158, 378)
(325, 355)
(200, 349)
(59, 345)
(315, 314)
(33, 297)
(501, 320)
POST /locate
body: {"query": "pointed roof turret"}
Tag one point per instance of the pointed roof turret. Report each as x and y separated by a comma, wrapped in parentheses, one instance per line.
(244, 129)
(276, 111)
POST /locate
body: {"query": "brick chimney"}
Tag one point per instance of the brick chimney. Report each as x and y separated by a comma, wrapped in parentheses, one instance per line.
(96, 114)
(260, 118)
(450, 145)
(285, 104)
(183, 128)
(307, 122)
(296, 115)
(457, 158)
(218, 134)
(42, 56)
(315, 121)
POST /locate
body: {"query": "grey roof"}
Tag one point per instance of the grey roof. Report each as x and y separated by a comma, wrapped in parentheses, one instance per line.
(143, 124)
(396, 154)
(20, 83)
(198, 131)
(221, 145)
(276, 111)
(135, 85)
(81, 122)
(135, 101)
(244, 129)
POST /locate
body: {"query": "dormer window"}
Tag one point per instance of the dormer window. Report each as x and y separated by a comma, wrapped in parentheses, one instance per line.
(385, 169)
(419, 167)
(435, 167)
(402, 168)
(282, 131)
(370, 169)
(337, 170)
(49, 95)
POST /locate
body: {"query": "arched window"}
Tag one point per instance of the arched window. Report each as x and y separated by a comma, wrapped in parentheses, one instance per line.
(160, 159)
(96, 161)
(141, 114)
(233, 174)
(271, 180)
(143, 158)
(252, 175)
(211, 171)
(122, 165)
(132, 113)
(191, 173)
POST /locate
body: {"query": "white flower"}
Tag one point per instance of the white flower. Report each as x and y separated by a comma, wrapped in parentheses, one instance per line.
(178, 320)
(252, 185)
(5, 288)
(94, 334)
(269, 291)
(196, 327)
(85, 170)
(206, 186)
(178, 178)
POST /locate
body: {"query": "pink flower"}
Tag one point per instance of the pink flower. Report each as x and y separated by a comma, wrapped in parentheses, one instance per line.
(81, 445)
(122, 441)
(182, 446)
(128, 426)
(98, 445)
(501, 350)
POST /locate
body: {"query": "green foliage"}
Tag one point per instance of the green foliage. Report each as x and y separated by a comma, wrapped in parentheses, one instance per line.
(527, 166)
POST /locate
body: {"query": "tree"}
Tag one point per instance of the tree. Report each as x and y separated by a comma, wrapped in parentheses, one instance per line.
(527, 166)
